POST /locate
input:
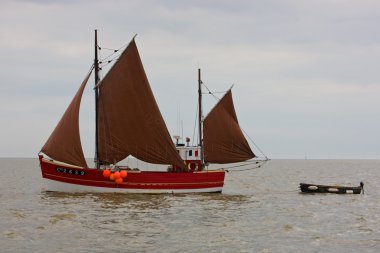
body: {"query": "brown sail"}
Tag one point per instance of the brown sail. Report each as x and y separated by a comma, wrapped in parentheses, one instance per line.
(130, 122)
(223, 139)
(64, 143)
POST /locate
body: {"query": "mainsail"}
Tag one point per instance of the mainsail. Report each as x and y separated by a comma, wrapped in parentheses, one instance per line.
(223, 139)
(129, 121)
(64, 143)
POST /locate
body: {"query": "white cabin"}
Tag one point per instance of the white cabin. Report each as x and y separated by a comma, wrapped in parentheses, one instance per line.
(189, 153)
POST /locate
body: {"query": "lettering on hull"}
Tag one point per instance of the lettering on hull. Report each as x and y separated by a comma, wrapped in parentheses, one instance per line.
(70, 171)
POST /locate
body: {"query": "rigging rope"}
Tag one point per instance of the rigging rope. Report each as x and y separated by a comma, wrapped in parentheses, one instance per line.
(254, 143)
(111, 49)
(91, 68)
(109, 61)
(211, 93)
(114, 50)
(102, 61)
(258, 163)
(208, 93)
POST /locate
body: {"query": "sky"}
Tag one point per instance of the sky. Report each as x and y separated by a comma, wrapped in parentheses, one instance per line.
(305, 73)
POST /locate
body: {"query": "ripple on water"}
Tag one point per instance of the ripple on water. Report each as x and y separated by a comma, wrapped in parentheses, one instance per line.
(54, 219)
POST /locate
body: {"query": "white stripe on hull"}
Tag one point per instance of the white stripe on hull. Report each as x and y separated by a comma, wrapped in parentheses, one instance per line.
(52, 185)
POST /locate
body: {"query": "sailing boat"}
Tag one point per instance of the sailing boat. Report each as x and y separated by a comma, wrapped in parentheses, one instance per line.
(129, 123)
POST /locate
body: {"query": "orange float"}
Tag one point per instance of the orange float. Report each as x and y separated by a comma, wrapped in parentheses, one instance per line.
(106, 173)
(112, 176)
(119, 180)
(123, 174)
(116, 175)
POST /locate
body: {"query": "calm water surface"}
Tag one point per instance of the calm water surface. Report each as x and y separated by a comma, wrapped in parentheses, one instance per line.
(259, 211)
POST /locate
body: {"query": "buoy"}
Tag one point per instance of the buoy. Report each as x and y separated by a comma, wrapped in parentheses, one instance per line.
(312, 187)
(106, 173)
(112, 176)
(349, 191)
(123, 174)
(333, 190)
(192, 167)
(119, 180)
(116, 175)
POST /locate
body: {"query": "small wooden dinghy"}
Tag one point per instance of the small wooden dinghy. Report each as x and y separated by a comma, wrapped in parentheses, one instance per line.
(314, 188)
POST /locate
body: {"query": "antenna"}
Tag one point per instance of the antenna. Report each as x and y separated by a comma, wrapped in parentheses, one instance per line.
(177, 138)
(178, 119)
(182, 129)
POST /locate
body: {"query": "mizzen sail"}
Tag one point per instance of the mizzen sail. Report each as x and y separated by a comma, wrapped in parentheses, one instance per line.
(64, 143)
(130, 122)
(223, 139)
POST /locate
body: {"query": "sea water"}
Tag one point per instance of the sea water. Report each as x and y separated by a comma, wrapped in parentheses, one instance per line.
(260, 210)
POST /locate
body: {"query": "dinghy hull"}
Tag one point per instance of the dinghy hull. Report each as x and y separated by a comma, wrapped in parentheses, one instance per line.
(313, 188)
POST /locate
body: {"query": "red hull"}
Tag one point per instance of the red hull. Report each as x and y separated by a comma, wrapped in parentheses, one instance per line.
(62, 177)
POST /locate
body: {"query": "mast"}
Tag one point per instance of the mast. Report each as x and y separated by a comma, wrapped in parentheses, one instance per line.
(200, 115)
(96, 65)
